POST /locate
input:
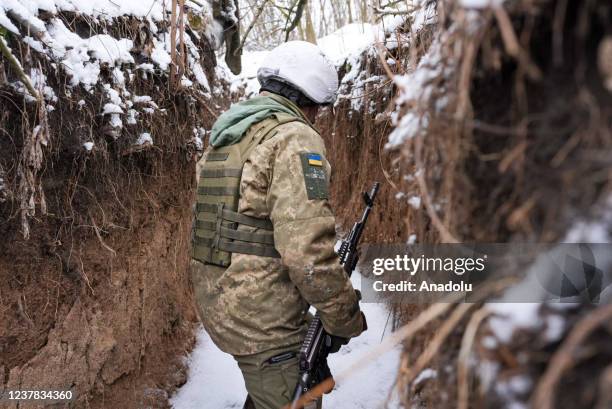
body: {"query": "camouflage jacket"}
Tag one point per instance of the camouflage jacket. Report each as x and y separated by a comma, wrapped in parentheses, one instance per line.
(260, 303)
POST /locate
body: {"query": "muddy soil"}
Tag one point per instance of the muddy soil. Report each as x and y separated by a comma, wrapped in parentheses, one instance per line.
(101, 305)
(97, 300)
(355, 148)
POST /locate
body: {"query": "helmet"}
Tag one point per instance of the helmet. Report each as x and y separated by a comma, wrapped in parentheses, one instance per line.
(302, 66)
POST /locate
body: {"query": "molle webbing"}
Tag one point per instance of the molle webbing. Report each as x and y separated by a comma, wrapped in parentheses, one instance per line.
(218, 190)
(219, 229)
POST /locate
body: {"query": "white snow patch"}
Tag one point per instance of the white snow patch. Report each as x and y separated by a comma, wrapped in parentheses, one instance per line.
(144, 99)
(425, 374)
(516, 385)
(186, 82)
(511, 316)
(593, 231)
(131, 116)
(200, 76)
(110, 50)
(141, 99)
(110, 108)
(362, 390)
(75, 52)
(118, 77)
(214, 379)
(34, 44)
(147, 67)
(152, 10)
(144, 138)
(199, 134)
(7, 23)
(555, 327)
(487, 373)
(352, 39)
(489, 342)
(479, 4)
(160, 54)
(113, 95)
(415, 202)
(251, 61)
(416, 89)
(39, 81)
(198, 143)
(115, 121)
(82, 58)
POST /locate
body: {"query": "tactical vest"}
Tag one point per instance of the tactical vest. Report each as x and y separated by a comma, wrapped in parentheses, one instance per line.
(219, 229)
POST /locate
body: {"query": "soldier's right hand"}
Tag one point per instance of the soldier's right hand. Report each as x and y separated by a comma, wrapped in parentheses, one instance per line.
(334, 343)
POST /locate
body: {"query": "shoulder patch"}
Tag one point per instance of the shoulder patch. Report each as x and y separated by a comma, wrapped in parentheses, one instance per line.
(314, 176)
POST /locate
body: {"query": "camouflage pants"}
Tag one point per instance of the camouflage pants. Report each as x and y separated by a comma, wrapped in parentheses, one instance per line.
(271, 385)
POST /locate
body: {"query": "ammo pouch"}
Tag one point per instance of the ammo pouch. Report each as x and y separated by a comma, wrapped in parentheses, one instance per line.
(219, 229)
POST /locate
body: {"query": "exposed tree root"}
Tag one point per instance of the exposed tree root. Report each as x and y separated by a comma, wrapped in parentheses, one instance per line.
(564, 358)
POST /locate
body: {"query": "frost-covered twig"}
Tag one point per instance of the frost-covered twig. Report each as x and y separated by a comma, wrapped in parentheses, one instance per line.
(6, 52)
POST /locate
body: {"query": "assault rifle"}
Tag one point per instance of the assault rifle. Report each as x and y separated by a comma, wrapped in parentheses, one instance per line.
(315, 348)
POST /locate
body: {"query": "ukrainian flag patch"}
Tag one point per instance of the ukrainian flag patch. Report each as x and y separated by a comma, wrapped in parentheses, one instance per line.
(315, 177)
(314, 159)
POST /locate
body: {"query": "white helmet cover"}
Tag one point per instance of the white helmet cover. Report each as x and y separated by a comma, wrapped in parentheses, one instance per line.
(303, 66)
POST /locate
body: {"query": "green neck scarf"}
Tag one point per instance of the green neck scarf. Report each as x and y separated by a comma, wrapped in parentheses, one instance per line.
(231, 126)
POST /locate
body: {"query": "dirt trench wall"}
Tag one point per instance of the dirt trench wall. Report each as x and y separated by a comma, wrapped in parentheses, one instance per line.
(108, 316)
(355, 141)
(507, 142)
(518, 152)
(97, 299)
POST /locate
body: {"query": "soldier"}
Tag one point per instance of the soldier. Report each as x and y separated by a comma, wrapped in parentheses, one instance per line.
(265, 231)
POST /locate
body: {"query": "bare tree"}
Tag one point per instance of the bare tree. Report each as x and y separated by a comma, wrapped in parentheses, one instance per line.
(270, 22)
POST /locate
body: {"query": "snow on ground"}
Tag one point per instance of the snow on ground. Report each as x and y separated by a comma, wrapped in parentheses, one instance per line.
(215, 381)
(370, 387)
